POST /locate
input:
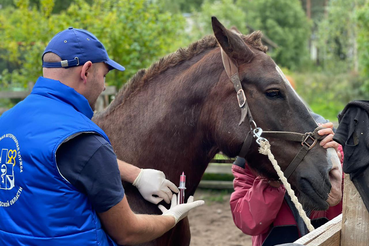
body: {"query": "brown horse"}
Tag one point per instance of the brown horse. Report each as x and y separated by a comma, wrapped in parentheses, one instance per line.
(176, 115)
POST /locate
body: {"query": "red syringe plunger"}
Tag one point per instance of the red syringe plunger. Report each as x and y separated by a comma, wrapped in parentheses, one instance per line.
(182, 187)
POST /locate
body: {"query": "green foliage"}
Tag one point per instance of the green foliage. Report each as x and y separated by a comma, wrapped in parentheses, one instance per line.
(226, 12)
(363, 44)
(337, 35)
(289, 29)
(285, 23)
(181, 6)
(327, 94)
(134, 32)
(217, 176)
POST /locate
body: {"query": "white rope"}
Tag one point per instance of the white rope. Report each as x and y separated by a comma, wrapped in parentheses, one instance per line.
(265, 150)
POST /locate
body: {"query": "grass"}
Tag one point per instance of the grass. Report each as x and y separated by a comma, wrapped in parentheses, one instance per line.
(217, 176)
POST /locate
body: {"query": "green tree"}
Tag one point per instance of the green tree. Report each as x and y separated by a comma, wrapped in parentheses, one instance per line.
(363, 44)
(59, 5)
(284, 22)
(225, 10)
(135, 33)
(337, 36)
(181, 6)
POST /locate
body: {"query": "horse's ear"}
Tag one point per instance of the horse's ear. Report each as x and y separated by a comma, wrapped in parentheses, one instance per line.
(232, 43)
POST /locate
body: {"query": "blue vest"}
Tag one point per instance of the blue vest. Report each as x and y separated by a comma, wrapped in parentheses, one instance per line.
(37, 205)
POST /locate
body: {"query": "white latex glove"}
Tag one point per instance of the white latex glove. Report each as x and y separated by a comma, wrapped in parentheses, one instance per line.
(179, 211)
(154, 187)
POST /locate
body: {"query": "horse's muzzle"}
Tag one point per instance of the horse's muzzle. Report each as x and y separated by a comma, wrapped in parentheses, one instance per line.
(335, 177)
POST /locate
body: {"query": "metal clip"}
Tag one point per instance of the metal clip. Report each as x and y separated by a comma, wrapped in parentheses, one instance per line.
(257, 134)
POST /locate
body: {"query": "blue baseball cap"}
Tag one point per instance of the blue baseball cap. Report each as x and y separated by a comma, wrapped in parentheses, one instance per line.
(75, 47)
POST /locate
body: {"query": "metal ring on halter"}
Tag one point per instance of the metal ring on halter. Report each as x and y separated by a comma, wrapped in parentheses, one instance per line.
(258, 141)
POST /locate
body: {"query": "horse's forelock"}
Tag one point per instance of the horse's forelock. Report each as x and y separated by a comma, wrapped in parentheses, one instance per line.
(254, 39)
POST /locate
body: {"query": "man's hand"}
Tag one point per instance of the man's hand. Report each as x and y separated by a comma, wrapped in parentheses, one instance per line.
(328, 142)
(180, 211)
(154, 187)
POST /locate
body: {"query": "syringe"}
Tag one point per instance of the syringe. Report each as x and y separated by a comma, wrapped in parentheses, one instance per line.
(182, 187)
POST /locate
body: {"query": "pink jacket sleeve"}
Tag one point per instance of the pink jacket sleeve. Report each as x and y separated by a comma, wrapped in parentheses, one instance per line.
(254, 203)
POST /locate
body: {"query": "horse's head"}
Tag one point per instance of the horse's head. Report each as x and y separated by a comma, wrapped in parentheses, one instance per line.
(252, 87)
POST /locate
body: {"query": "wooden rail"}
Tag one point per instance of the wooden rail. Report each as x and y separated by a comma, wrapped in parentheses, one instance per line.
(102, 102)
(218, 166)
(328, 234)
(13, 94)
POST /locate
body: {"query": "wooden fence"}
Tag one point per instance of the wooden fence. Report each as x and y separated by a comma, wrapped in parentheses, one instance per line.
(101, 103)
(222, 165)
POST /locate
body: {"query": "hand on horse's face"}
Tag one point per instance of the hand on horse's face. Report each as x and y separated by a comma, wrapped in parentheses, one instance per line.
(328, 142)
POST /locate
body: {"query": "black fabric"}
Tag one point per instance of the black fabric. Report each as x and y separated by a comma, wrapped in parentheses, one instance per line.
(89, 163)
(319, 222)
(281, 234)
(285, 235)
(299, 221)
(352, 133)
(241, 162)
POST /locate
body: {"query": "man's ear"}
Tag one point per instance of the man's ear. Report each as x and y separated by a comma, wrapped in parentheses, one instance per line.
(86, 69)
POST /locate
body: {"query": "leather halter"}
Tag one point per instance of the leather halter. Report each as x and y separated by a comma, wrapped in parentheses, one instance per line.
(307, 140)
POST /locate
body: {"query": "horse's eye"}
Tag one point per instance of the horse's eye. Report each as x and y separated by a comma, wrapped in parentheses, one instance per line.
(273, 94)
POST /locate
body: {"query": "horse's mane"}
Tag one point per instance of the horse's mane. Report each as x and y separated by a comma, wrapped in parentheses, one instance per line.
(172, 60)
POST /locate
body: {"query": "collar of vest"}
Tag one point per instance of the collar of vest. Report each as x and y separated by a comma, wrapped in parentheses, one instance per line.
(55, 89)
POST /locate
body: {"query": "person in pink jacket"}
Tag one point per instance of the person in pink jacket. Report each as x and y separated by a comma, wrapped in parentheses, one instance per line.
(263, 209)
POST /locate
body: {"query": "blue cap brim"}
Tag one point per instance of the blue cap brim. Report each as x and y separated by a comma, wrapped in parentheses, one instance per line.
(114, 65)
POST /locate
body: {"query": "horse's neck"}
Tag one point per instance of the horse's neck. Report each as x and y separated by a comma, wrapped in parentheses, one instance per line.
(159, 126)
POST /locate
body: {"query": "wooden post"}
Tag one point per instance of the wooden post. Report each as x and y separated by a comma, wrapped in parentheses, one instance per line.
(355, 220)
(30, 86)
(308, 9)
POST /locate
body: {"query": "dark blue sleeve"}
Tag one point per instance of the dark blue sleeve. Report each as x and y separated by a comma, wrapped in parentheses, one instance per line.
(240, 161)
(89, 163)
(318, 118)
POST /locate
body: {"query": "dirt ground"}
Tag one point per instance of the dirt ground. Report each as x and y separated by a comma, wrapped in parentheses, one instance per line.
(212, 223)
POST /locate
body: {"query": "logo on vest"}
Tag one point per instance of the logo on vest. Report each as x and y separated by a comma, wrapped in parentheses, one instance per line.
(10, 166)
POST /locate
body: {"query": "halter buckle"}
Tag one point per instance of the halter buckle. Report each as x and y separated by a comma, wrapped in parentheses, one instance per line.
(309, 141)
(241, 98)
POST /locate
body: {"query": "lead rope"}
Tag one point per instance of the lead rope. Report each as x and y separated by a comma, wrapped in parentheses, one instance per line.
(265, 150)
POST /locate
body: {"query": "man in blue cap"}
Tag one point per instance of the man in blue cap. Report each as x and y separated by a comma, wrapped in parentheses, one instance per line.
(60, 180)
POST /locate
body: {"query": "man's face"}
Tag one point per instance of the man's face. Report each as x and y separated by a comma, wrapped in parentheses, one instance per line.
(96, 82)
